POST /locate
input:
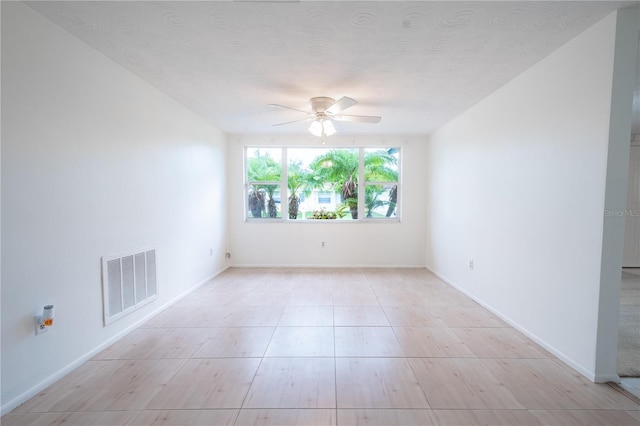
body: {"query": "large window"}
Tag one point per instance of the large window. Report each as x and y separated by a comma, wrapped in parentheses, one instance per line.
(322, 183)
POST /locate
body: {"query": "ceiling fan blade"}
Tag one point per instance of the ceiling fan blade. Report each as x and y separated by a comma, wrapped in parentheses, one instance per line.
(358, 118)
(294, 121)
(286, 107)
(341, 104)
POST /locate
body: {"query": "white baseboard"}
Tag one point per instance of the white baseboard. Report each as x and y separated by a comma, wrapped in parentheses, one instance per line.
(326, 266)
(39, 387)
(553, 350)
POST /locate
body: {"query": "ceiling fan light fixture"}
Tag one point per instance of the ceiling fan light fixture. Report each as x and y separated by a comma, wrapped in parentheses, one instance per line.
(316, 128)
(324, 110)
(322, 127)
(328, 127)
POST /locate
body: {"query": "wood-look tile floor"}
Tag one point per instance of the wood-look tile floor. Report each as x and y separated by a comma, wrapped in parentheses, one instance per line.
(325, 347)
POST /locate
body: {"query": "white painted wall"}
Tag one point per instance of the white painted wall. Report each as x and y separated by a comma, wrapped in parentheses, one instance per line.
(517, 184)
(297, 243)
(94, 162)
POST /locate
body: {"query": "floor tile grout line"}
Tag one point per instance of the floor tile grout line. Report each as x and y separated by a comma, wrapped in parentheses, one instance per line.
(244, 399)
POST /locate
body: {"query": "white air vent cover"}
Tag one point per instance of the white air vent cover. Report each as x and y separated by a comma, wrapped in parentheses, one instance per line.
(128, 283)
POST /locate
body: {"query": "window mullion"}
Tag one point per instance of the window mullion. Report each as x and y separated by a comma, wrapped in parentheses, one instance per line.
(284, 188)
(361, 183)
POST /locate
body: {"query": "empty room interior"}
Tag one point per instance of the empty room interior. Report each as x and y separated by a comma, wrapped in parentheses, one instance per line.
(329, 213)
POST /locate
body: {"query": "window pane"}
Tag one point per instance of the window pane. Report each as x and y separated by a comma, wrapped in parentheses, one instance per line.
(300, 181)
(381, 165)
(322, 180)
(264, 164)
(381, 201)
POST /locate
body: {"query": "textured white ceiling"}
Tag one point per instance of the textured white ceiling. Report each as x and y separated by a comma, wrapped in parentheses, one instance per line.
(417, 64)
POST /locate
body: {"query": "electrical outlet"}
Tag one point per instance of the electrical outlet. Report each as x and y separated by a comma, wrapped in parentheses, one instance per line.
(471, 265)
(210, 252)
(322, 244)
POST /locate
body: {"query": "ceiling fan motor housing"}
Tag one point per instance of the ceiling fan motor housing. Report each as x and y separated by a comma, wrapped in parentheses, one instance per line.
(321, 103)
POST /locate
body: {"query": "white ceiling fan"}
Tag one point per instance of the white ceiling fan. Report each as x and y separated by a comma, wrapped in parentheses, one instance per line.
(324, 110)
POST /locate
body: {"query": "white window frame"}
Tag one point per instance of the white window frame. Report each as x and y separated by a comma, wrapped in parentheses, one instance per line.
(284, 189)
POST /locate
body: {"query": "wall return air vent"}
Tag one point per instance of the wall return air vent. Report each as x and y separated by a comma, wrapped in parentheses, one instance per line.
(128, 283)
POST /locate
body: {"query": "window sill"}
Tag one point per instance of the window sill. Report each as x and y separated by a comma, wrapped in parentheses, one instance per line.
(368, 221)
